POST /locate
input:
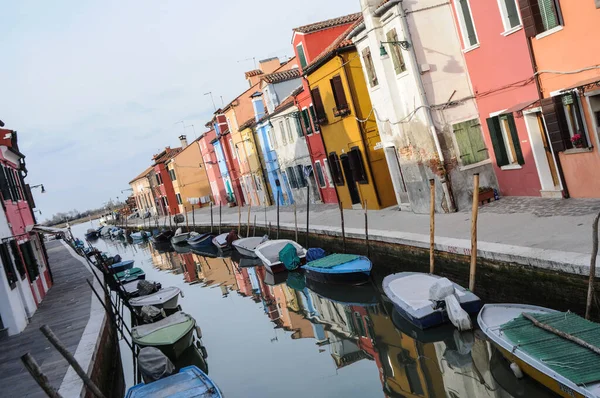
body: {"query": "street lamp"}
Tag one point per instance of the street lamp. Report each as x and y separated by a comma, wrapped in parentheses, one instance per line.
(403, 44)
(38, 186)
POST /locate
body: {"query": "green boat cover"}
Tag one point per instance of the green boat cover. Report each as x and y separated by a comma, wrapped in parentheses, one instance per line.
(565, 357)
(333, 260)
(296, 281)
(289, 257)
(130, 272)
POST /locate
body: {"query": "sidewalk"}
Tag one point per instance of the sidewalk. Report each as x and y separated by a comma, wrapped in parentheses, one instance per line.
(546, 233)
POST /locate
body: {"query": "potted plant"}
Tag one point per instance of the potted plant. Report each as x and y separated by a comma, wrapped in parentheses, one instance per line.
(577, 141)
(486, 194)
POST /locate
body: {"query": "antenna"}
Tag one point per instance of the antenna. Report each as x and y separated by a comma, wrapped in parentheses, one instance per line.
(193, 128)
(248, 59)
(212, 99)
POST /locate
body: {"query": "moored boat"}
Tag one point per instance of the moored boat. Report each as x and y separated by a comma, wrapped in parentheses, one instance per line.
(362, 295)
(141, 235)
(220, 241)
(166, 298)
(130, 275)
(268, 252)
(121, 266)
(410, 294)
(339, 268)
(246, 246)
(562, 365)
(172, 335)
(200, 240)
(164, 236)
(91, 234)
(189, 382)
(180, 237)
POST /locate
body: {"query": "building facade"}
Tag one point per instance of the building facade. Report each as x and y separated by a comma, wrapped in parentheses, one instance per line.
(165, 193)
(209, 155)
(143, 194)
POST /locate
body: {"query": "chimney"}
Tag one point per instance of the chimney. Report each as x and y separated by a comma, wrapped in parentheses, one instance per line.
(183, 140)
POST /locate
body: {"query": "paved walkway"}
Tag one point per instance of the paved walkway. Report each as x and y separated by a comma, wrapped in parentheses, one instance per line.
(66, 309)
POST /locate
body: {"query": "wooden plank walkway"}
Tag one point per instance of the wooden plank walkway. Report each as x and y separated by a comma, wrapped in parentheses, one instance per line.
(66, 309)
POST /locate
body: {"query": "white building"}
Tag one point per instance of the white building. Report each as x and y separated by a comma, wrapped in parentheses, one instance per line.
(423, 102)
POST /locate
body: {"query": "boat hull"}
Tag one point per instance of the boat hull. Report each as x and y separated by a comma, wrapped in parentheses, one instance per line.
(346, 278)
(180, 239)
(173, 351)
(436, 318)
(359, 295)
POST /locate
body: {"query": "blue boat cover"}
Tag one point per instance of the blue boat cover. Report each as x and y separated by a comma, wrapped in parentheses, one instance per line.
(289, 257)
(189, 382)
(314, 253)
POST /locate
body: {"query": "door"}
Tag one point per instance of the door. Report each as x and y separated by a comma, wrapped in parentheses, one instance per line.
(548, 151)
(396, 173)
(352, 188)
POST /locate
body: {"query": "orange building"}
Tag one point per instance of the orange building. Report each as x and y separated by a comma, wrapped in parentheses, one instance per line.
(565, 50)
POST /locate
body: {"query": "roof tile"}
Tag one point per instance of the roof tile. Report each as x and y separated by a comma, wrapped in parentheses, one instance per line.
(282, 76)
(330, 23)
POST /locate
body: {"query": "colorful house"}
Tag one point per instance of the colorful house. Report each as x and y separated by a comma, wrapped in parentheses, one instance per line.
(348, 127)
(143, 193)
(164, 186)
(251, 166)
(189, 177)
(562, 36)
(513, 131)
(309, 41)
(209, 155)
(227, 160)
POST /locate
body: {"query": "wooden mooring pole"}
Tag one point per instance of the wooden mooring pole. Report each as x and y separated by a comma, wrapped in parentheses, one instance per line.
(474, 213)
(187, 222)
(254, 233)
(220, 219)
(36, 372)
(296, 222)
(193, 217)
(590, 294)
(248, 223)
(307, 214)
(431, 226)
(211, 217)
(367, 230)
(341, 206)
(239, 220)
(277, 214)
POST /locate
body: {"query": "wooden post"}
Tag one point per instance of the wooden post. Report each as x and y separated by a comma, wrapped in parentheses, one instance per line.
(170, 221)
(248, 224)
(239, 220)
(307, 215)
(343, 229)
(36, 372)
(220, 219)
(367, 230)
(590, 295)
(187, 223)
(71, 360)
(254, 233)
(265, 196)
(474, 214)
(269, 230)
(431, 225)
(193, 217)
(211, 217)
(277, 214)
(295, 222)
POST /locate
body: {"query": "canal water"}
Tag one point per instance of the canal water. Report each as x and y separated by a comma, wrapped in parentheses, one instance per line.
(276, 337)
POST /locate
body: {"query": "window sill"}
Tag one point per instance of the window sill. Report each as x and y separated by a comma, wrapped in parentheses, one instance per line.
(402, 74)
(573, 151)
(512, 30)
(474, 165)
(549, 32)
(469, 49)
(511, 167)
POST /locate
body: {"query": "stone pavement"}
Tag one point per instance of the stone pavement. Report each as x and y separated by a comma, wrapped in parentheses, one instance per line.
(66, 309)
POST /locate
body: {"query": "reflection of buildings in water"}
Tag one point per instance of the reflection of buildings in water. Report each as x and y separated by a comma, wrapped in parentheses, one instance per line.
(268, 299)
(344, 351)
(408, 367)
(162, 261)
(243, 282)
(190, 267)
(216, 271)
(288, 307)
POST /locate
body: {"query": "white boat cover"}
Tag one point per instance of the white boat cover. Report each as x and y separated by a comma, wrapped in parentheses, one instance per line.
(158, 298)
(249, 244)
(268, 252)
(145, 330)
(456, 314)
(154, 365)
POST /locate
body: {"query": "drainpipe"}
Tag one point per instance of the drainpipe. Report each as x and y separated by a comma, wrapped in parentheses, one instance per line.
(428, 113)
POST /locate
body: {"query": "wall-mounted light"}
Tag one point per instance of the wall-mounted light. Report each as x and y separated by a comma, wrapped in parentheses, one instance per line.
(403, 44)
(39, 186)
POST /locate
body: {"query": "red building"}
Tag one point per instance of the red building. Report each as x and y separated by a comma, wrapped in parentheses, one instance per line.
(507, 96)
(209, 155)
(309, 41)
(165, 193)
(233, 166)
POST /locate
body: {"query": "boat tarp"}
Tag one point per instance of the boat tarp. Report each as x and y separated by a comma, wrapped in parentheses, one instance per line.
(315, 253)
(129, 272)
(189, 382)
(333, 260)
(158, 298)
(289, 257)
(172, 320)
(154, 365)
(565, 357)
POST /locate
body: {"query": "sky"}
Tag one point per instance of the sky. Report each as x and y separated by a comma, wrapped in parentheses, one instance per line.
(94, 89)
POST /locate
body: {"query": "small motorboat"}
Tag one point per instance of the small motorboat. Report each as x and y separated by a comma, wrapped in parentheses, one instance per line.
(246, 246)
(166, 298)
(361, 295)
(339, 268)
(206, 251)
(140, 287)
(189, 382)
(180, 237)
(91, 234)
(410, 294)
(275, 279)
(566, 367)
(121, 266)
(105, 230)
(182, 248)
(200, 239)
(141, 235)
(130, 275)
(164, 236)
(220, 241)
(268, 253)
(172, 335)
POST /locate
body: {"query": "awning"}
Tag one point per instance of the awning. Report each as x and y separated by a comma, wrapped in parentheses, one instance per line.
(587, 82)
(48, 230)
(522, 105)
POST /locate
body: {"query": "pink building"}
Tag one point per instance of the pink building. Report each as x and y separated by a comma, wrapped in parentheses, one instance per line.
(502, 76)
(217, 187)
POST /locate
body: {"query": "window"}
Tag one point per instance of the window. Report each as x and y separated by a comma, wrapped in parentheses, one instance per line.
(172, 175)
(313, 117)
(271, 138)
(289, 130)
(469, 139)
(510, 15)
(292, 177)
(467, 28)
(301, 55)
(299, 129)
(327, 172)
(540, 16)
(396, 52)
(320, 177)
(233, 149)
(564, 120)
(368, 62)
(505, 140)
(179, 201)
(341, 104)
(357, 166)
(336, 169)
(7, 264)
(282, 131)
(306, 122)
(30, 261)
(301, 178)
(319, 110)
(4, 186)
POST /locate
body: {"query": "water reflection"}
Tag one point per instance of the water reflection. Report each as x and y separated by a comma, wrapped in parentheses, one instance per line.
(315, 329)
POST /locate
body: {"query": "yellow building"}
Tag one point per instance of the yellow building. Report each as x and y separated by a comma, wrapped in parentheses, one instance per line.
(142, 192)
(343, 109)
(189, 177)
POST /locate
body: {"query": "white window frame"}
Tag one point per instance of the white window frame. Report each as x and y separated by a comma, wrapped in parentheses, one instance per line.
(463, 27)
(504, 16)
(233, 148)
(289, 129)
(505, 133)
(327, 173)
(271, 137)
(282, 133)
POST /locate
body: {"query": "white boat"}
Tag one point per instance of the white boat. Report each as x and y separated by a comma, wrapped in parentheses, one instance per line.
(221, 240)
(180, 237)
(166, 298)
(246, 246)
(409, 291)
(268, 253)
(491, 320)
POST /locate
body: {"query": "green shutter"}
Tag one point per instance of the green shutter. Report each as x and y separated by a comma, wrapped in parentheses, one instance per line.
(461, 132)
(480, 150)
(301, 55)
(497, 141)
(515, 139)
(468, 21)
(548, 13)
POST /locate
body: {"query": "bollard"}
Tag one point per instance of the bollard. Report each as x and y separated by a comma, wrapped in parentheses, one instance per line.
(474, 214)
(254, 233)
(431, 225)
